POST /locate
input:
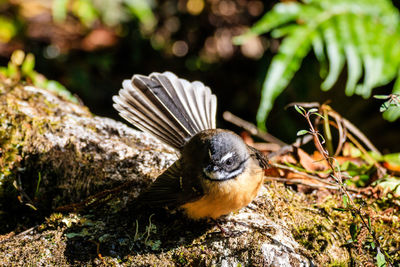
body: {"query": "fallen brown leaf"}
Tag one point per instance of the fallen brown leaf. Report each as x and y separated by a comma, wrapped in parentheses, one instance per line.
(309, 163)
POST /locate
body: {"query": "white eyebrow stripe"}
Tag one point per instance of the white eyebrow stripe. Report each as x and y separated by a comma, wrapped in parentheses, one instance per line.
(227, 156)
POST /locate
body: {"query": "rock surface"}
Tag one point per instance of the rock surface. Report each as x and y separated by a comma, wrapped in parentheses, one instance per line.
(57, 153)
(75, 153)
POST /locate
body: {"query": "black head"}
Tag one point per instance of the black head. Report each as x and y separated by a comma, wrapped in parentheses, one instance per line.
(225, 156)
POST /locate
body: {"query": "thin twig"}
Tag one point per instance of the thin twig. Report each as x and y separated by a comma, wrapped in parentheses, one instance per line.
(288, 168)
(340, 120)
(341, 129)
(289, 148)
(251, 128)
(381, 170)
(24, 196)
(96, 198)
(304, 104)
(20, 234)
(298, 181)
(352, 128)
(284, 167)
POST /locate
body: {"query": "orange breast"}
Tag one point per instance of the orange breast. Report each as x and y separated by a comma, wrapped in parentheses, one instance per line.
(224, 197)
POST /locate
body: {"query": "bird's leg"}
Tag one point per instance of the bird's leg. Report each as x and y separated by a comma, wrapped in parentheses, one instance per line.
(225, 232)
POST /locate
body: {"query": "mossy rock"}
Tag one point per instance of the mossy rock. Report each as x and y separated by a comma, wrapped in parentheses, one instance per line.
(80, 172)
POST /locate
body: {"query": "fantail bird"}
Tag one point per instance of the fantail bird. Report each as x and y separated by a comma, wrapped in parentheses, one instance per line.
(217, 172)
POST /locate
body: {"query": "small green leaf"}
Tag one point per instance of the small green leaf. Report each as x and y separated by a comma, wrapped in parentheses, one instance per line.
(345, 201)
(155, 245)
(302, 132)
(380, 259)
(370, 225)
(353, 231)
(17, 57)
(390, 185)
(339, 209)
(38, 184)
(393, 158)
(31, 206)
(385, 106)
(300, 109)
(319, 115)
(59, 89)
(12, 70)
(28, 64)
(313, 110)
(393, 113)
(72, 235)
(382, 96)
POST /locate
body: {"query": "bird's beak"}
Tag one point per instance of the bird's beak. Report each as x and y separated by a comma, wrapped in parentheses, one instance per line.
(214, 173)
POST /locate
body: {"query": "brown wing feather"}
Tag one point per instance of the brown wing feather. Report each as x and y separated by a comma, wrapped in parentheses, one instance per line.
(256, 154)
(171, 190)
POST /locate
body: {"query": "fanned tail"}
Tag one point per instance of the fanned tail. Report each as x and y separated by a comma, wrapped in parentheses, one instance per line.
(170, 108)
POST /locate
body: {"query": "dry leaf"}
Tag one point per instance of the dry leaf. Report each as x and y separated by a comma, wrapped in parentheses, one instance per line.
(309, 163)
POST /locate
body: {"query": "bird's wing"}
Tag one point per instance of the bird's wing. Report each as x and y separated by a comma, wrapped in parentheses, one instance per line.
(256, 154)
(170, 108)
(171, 190)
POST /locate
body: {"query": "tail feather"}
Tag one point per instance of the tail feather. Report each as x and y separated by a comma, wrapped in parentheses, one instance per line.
(160, 93)
(170, 108)
(179, 91)
(145, 110)
(145, 123)
(189, 95)
(161, 105)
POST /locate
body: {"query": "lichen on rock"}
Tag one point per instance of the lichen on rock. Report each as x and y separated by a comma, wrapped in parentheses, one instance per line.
(56, 152)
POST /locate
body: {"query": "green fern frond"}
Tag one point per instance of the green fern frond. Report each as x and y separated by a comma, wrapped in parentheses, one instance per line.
(365, 34)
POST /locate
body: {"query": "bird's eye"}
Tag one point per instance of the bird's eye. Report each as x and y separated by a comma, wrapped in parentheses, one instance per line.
(229, 162)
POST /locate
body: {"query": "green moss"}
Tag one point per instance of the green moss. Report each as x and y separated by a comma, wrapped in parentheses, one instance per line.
(324, 231)
(24, 117)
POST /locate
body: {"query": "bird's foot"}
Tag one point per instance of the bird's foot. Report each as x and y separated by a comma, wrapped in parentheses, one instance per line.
(226, 232)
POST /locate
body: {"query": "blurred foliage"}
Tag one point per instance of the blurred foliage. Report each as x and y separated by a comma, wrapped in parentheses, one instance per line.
(7, 29)
(93, 24)
(91, 45)
(21, 69)
(110, 12)
(364, 34)
(61, 22)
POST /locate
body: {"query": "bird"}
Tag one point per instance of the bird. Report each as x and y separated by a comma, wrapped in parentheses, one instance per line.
(216, 172)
